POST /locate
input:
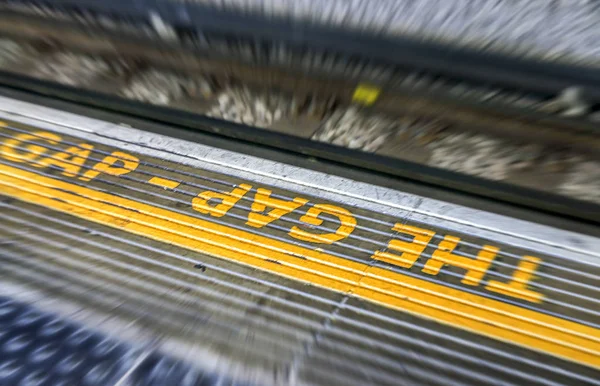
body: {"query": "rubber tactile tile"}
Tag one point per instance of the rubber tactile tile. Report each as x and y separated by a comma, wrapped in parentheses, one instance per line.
(40, 349)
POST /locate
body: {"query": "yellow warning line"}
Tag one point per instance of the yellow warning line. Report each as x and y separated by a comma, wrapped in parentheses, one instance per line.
(463, 310)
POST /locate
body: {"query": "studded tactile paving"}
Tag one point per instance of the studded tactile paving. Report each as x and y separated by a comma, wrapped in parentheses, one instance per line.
(40, 349)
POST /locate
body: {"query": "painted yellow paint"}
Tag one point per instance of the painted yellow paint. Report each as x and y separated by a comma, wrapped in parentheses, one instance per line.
(10, 152)
(163, 182)
(228, 200)
(108, 165)
(217, 204)
(263, 200)
(522, 276)
(71, 160)
(476, 268)
(347, 224)
(463, 310)
(409, 251)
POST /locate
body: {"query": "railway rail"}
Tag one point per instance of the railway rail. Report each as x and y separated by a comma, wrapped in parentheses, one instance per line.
(200, 264)
(393, 81)
(226, 35)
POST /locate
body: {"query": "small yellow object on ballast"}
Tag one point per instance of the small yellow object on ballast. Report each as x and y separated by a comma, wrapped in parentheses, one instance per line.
(366, 94)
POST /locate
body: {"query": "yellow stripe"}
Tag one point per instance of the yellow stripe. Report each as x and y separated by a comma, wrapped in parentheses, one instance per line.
(163, 182)
(467, 311)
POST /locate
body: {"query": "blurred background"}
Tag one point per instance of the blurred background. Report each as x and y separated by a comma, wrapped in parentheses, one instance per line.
(490, 104)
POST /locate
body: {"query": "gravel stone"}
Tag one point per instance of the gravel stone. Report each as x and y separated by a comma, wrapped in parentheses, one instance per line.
(583, 182)
(12, 52)
(253, 108)
(355, 129)
(72, 69)
(162, 88)
(480, 155)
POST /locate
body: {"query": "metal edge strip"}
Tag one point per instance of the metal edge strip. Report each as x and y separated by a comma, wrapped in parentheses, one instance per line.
(524, 234)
